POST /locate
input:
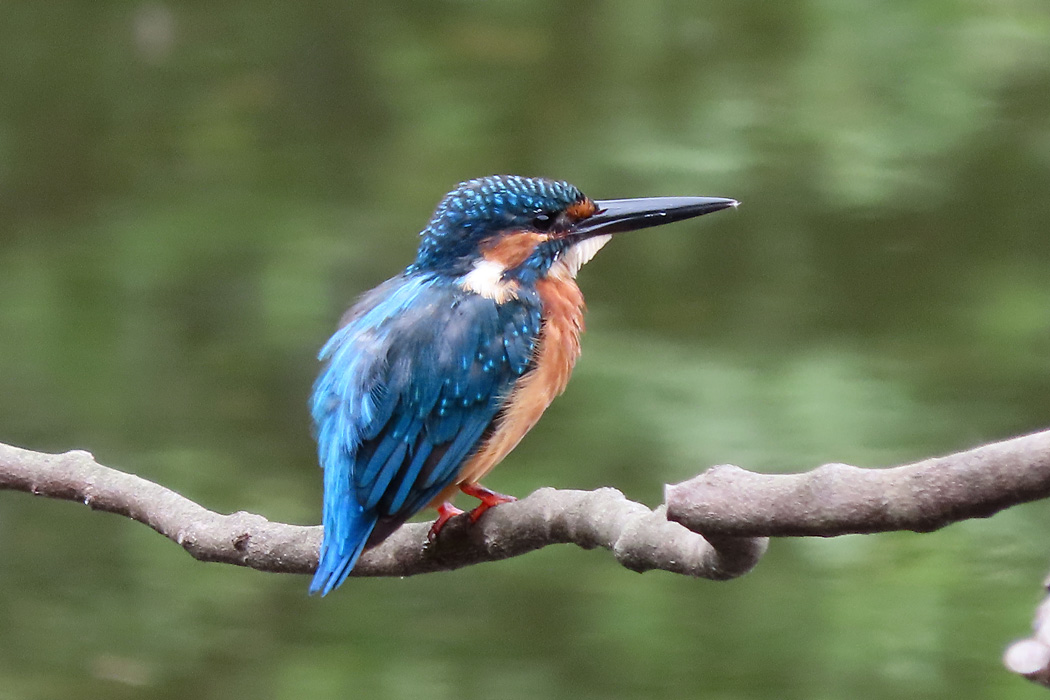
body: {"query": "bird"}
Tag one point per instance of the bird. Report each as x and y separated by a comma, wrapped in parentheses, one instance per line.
(434, 376)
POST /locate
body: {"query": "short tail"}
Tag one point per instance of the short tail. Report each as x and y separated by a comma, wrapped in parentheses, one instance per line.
(345, 536)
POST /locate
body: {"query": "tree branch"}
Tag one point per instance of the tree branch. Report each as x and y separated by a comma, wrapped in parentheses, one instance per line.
(838, 499)
(733, 510)
(639, 538)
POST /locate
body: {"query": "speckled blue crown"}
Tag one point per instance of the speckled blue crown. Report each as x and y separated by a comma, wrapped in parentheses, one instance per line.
(477, 208)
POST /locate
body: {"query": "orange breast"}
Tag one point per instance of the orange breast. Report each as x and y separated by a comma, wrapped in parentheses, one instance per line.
(557, 349)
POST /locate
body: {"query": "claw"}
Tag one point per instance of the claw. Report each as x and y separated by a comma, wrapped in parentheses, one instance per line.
(446, 511)
(488, 499)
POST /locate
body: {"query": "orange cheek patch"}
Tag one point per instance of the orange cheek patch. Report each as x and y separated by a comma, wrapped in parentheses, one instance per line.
(512, 249)
(582, 209)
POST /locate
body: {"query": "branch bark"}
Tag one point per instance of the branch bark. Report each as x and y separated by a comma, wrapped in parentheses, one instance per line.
(839, 499)
(733, 511)
(638, 537)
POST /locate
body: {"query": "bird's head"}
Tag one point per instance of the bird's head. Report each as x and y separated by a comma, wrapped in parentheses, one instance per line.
(512, 228)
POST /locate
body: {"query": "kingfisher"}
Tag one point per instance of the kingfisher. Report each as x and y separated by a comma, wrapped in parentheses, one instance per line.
(434, 376)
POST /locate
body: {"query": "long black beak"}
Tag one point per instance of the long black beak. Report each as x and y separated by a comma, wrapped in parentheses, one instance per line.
(617, 215)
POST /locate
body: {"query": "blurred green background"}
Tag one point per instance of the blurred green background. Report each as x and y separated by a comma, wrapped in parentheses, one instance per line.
(191, 193)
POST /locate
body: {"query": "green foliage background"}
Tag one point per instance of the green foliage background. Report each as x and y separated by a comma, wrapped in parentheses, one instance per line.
(190, 194)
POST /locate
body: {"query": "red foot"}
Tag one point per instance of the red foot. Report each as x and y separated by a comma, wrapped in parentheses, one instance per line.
(446, 511)
(488, 499)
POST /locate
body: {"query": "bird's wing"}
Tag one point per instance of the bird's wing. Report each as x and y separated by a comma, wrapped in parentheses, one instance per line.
(412, 383)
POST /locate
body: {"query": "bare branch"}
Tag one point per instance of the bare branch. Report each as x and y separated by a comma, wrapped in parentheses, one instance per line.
(638, 537)
(733, 509)
(838, 499)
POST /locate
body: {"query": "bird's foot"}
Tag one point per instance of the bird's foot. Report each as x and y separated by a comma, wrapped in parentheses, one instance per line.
(488, 499)
(446, 511)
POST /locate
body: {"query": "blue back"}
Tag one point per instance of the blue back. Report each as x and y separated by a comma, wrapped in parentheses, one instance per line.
(411, 384)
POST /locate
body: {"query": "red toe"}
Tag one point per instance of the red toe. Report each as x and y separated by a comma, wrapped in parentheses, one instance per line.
(446, 511)
(487, 497)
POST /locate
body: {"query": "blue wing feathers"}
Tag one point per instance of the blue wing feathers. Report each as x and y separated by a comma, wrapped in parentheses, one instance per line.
(442, 428)
(393, 503)
(444, 470)
(409, 386)
(368, 465)
(387, 472)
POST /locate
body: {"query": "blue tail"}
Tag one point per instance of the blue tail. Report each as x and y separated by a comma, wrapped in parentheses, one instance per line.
(347, 524)
(345, 536)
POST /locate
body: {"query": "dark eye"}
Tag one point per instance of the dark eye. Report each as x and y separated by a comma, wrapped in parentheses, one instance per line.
(542, 221)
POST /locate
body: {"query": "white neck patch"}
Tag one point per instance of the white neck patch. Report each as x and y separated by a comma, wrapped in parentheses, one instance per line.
(487, 280)
(486, 277)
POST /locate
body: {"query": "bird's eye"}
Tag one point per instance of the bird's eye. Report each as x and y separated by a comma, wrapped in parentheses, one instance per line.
(542, 221)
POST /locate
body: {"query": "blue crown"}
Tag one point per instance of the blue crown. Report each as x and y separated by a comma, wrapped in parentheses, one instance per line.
(478, 208)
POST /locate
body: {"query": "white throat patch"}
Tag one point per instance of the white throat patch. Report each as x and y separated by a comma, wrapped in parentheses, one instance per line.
(570, 261)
